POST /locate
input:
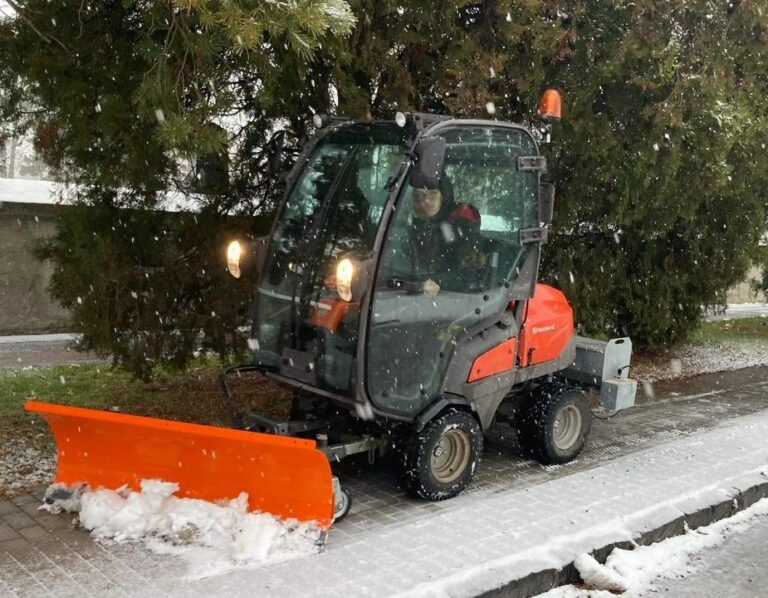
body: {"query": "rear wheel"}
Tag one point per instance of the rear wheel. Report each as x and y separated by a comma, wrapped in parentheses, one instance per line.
(556, 423)
(440, 461)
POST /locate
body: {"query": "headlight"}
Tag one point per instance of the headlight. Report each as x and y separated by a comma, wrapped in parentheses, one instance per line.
(234, 253)
(345, 270)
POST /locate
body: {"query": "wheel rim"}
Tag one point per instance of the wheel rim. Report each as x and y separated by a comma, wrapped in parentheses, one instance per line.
(341, 506)
(567, 427)
(450, 456)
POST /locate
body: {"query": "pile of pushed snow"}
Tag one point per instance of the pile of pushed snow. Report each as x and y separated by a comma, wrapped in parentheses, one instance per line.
(635, 570)
(212, 538)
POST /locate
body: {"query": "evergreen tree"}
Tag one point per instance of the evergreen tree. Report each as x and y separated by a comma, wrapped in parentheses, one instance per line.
(127, 100)
(659, 161)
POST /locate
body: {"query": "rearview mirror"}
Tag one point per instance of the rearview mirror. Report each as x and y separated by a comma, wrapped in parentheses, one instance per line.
(429, 155)
(546, 203)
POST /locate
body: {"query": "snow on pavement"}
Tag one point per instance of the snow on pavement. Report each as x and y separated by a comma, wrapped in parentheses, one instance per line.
(734, 568)
(211, 538)
(550, 525)
(480, 541)
(639, 570)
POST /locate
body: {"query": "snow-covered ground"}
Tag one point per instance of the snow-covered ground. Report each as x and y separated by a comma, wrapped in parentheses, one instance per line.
(211, 538)
(740, 310)
(734, 568)
(685, 559)
(22, 466)
(462, 547)
(691, 360)
(166, 527)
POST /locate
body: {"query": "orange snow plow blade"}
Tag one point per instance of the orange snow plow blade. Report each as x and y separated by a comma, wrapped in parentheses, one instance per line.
(286, 477)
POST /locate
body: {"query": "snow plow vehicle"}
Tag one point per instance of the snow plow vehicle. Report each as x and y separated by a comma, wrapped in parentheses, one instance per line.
(398, 297)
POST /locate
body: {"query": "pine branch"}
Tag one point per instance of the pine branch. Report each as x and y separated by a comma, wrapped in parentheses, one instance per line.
(27, 19)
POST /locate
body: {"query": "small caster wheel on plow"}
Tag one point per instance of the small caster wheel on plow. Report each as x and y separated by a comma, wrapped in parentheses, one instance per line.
(342, 501)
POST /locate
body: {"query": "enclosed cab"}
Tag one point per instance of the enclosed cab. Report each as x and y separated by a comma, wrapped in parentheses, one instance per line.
(399, 283)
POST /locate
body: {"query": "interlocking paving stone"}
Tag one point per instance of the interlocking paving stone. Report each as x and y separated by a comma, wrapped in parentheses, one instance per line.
(23, 499)
(426, 539)
(18, 520)
(36, 535)
(7, 507)
(52, 522)
(7, 532)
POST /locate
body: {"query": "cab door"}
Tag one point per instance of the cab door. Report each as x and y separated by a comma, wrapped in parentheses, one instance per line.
(441, 272)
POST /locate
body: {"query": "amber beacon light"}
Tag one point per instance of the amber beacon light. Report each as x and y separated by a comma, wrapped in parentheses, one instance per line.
(550, 105)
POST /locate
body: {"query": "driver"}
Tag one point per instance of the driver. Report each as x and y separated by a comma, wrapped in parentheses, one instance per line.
(443, 241)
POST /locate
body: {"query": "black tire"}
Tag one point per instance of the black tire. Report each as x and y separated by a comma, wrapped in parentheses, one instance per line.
(555, 423)
(440, 461)
(343, 506)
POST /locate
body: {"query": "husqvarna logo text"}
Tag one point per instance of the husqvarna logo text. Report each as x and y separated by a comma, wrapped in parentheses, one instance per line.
(541, 329)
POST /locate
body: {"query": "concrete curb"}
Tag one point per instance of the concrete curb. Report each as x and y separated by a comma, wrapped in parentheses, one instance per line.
(547, 579)
(39, 338)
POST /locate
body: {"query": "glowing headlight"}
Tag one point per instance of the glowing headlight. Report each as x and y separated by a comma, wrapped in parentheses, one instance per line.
(234, 253)
(344, 272)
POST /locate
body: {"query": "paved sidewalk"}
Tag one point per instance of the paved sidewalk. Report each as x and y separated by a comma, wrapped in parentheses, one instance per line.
(464, 546)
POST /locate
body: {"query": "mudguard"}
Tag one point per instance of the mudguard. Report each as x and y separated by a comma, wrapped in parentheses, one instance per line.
(286, 477)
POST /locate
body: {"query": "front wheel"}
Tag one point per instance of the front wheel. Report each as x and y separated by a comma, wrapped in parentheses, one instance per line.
(556, 423)
(440, 461)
